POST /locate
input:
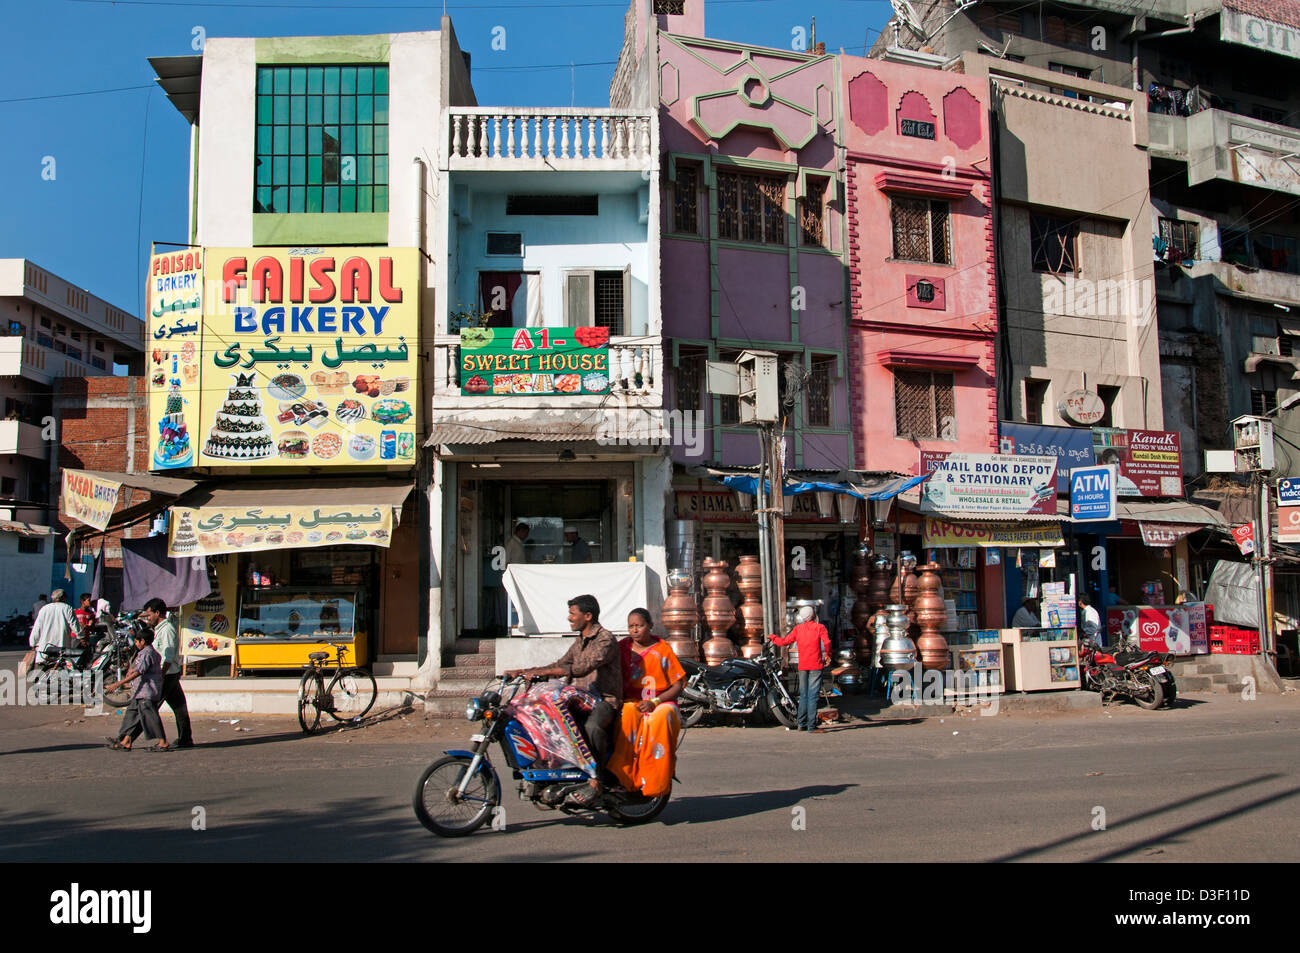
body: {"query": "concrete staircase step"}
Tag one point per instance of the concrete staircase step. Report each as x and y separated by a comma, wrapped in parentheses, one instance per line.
(405, 668)
(465, 672)
(1195, 683)
(455, 690)
(477, 659)
(475, 645)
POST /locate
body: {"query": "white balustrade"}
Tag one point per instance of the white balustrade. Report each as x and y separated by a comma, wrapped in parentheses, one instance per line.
(489, 135)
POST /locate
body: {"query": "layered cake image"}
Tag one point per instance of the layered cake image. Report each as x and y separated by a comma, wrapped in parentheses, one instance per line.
(185, 541)
(174, 448)
(241, 430)
(213, 601)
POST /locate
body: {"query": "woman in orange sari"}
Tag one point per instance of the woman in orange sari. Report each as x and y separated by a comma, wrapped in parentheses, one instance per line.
(645, 752)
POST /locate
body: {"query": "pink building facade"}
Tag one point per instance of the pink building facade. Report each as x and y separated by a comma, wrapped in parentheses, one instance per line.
(753, 240)
(923, 318)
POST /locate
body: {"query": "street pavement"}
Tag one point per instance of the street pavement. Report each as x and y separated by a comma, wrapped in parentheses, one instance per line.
(1216, 779)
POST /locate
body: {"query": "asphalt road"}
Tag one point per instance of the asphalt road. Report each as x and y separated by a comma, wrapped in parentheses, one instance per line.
(1213, 780)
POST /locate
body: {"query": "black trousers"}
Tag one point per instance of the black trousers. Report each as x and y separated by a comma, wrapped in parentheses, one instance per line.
(174, 696)
(597, 727)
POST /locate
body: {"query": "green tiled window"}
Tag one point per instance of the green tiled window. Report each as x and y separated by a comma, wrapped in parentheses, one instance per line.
(322, 139)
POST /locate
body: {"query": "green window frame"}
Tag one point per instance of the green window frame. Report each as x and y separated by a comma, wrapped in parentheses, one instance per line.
(322, 139)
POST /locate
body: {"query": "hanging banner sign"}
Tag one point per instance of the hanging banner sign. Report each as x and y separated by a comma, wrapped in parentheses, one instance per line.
(504, 362)
(945, 533)
(1163, 535)
(986, 484)
(251, 529)
(1149, 461)
(1245, 537)
(174, 345)
(89, 499)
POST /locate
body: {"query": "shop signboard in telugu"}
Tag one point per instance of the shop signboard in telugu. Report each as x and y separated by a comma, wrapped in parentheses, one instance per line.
(1149, 461)
(301, 357)
(212, 530)
(987, 484)
(174, 329)
(506, 362)
(1092, 494)
(946, 533)
(89, 498)
(1072, 446)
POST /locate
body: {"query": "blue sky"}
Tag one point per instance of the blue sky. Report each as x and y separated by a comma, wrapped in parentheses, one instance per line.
(90, 185)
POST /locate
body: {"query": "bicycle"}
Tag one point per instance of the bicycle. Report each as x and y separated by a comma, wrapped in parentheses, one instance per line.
(350, 695)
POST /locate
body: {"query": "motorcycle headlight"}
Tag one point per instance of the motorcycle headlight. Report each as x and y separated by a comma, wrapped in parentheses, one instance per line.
(474, 710)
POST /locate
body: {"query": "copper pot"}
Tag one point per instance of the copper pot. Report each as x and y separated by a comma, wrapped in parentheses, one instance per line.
(718, 611)
(931, 646)
(680, 615)
(749, 580)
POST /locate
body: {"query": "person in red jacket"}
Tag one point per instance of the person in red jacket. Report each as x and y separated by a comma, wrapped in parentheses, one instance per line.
(814, 655)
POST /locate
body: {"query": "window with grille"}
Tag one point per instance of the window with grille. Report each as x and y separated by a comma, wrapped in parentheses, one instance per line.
(31, 546)
(609, 301)
(505, 243)
(921, 230)
(817, 398)
(1262, 401)
(686, 200)
(751, 208)
(924, 405)
(322, 139)
(670, 8)
(1055, 244)
(688, 380)
(1284, 346)
(1181, 238)
(812, 212)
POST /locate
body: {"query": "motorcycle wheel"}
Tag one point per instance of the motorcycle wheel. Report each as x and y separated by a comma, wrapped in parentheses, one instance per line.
(640, 812)
(1171, 694)
(692, 712)
(785, 714)
(1153, 695)
(448, 818)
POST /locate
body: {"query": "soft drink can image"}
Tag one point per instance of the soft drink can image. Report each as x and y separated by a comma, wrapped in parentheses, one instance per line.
(406, 445)
(388, 445)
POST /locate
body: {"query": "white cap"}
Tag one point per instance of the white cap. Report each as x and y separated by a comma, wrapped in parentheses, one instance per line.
(570, 529)
(805, 614)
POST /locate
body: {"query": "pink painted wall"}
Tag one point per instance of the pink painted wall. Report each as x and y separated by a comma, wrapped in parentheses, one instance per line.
(881, 100)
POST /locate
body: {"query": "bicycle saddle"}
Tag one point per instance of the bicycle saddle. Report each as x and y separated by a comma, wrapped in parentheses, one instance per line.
(318, 656)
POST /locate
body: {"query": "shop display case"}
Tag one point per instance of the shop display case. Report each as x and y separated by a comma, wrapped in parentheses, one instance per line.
(1040, 660)
(957, 568)
(279, 627)
(977, 661)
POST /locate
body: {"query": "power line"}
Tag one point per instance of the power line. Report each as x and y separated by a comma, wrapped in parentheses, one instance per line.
(84, 92)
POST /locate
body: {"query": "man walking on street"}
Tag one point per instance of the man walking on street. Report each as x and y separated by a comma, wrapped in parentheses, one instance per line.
(814, 655)
(146, 672)
(167, 644)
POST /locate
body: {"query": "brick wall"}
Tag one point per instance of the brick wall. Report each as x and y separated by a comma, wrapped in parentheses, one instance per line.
(103, 425)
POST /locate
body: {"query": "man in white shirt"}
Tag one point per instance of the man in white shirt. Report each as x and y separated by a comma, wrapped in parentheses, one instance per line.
(38, 605)
(55, 626)
(515, 545)
(1026, 616)
(1089, 619)
(168, 644)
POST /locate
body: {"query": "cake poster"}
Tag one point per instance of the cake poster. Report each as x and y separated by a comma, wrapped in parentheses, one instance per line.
(175, 330)
(208, 626)
(209, 530)
(295, 357)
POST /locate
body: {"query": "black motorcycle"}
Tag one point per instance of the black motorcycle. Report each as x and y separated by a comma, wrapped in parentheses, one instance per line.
(16, 629)
(737, 687)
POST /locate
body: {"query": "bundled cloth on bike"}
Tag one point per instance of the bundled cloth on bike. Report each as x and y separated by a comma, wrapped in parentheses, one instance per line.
(546, 714)
(645, 754)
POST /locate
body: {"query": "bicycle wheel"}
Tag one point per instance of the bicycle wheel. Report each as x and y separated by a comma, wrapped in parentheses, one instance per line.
(352, 694)
(309, 701)
(447, 813)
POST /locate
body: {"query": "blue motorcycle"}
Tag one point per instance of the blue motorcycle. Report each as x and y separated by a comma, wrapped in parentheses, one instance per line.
(458, 794)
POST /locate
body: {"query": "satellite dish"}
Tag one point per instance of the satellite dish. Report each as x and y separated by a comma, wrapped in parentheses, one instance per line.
(905, 12)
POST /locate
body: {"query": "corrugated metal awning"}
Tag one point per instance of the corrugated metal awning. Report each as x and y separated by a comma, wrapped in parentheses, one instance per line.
(565, 431)
(607, 426)
(165, 486)
(26, 530)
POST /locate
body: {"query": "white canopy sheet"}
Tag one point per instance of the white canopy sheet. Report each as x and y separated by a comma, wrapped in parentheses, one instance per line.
(541, 593)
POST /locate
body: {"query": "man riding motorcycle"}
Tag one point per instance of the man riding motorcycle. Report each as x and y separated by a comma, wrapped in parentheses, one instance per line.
(592, 663)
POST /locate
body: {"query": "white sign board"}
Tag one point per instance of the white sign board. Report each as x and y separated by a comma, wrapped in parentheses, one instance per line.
(1249, 30)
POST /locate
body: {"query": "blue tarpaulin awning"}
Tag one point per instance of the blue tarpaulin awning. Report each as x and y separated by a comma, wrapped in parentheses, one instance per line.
(864, 486)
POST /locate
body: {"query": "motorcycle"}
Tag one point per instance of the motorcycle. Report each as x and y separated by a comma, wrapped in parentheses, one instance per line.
(113, 654)
(457, 794)
(16, 629)
(1141, 676)
(738, 686)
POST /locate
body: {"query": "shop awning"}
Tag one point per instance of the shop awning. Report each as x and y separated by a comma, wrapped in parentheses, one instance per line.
(296, 491)
(1165, 511)
(864, 485)
(26, 530)
(163, 492)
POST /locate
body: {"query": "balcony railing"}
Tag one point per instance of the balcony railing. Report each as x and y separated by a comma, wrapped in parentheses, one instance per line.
(635, 380)
(19, 437)
(22, 357)
(484, 137)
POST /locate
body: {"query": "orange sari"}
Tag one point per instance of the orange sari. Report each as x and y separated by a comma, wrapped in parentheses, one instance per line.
(645, 753)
